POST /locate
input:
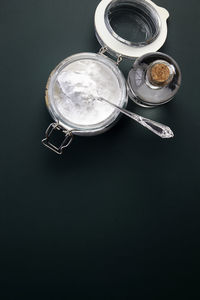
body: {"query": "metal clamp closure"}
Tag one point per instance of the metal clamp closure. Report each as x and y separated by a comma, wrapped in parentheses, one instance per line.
(103, 50)
(68, 137)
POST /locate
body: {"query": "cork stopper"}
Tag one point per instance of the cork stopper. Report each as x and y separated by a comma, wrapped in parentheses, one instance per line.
(160, 73)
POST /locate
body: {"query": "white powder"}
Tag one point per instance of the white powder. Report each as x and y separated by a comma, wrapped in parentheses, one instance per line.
(78, 85)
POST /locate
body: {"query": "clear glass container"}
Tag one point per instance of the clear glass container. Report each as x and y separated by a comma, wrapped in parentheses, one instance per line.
(124, 28)
(73, 87)
(154, 79)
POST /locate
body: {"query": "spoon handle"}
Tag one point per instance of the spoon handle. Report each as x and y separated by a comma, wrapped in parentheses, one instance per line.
(159, 129)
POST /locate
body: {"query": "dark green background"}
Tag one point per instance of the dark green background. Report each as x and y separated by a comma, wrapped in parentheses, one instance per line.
(117, 216)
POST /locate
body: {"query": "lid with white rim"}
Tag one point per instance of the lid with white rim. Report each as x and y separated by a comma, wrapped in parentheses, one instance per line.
(130, 28)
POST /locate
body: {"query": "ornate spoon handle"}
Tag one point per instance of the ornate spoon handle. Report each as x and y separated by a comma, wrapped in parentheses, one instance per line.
(159, 129)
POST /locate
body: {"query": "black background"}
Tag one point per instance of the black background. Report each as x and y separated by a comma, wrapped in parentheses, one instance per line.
(117, 216)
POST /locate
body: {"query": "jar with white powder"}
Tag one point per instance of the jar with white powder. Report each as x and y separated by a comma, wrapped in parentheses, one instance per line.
(124, 28)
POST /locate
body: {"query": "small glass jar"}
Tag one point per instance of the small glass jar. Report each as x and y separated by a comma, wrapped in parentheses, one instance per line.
(154, 79)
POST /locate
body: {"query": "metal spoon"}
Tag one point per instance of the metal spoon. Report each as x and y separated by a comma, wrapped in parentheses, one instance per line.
(159, 129)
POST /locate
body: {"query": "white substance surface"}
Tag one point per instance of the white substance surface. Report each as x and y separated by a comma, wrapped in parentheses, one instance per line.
(76, 88)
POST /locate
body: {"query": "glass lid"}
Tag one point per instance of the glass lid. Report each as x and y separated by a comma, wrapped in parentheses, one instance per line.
(131, 28)
(133, 22)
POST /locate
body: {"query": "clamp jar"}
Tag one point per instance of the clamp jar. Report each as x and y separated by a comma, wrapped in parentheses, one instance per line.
(79, 79)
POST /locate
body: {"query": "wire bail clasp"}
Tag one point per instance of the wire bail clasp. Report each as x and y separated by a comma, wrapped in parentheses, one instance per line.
(68, 138)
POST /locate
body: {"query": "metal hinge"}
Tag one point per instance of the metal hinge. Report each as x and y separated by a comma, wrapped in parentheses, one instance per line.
(103, 50)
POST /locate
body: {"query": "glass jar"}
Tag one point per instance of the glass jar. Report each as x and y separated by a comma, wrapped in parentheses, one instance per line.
(154, 79)
(70, 97)
(124, 28)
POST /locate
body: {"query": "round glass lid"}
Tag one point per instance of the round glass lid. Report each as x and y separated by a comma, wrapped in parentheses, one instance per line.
(76, 84)
(131, 28)
(133, 22)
